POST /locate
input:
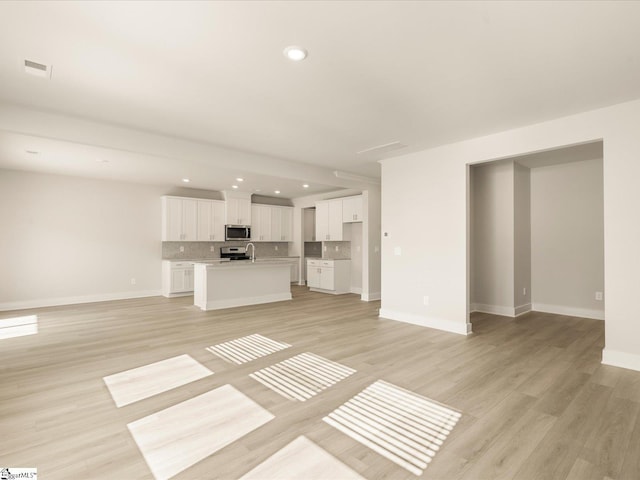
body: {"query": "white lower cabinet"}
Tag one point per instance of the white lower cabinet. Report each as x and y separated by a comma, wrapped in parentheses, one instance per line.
(329, 276)
(177, 278)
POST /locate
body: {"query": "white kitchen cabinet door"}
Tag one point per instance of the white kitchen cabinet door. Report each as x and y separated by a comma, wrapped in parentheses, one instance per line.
(313, 276)
(261, 223)
(171, 219)
(179, 219)
(204, 220)
(335, 220)
(327, 281)
(287, 224)
(276, 224)
(216, 233)
(177, 278)
(238, 211)
(322, 221)
(190, 219)
(210, 221)
(352, 209)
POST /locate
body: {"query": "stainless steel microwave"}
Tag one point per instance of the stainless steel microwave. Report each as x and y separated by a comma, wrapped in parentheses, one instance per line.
(237, 232)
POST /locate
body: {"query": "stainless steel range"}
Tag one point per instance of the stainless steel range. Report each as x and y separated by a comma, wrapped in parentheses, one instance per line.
(234, 253)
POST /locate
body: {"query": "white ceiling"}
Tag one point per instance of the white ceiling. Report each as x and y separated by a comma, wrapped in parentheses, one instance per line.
(212, 74)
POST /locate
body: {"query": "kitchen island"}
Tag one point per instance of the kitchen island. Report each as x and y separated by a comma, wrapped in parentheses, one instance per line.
(236, 283)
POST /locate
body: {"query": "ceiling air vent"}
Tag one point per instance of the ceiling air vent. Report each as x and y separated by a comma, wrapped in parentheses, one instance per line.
(380, 149)
(37, 69)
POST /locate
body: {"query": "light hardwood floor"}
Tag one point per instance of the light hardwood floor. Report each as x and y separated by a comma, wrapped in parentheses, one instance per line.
(534, 400)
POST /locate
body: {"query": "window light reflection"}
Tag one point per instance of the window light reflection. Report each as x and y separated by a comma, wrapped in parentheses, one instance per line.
(400, 425)
(18, 326)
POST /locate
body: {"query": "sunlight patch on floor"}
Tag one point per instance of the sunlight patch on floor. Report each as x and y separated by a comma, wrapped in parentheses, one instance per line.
(245, 349)
(404, 427)
(18, 326)
(303, 376)
(302, 459)
(144, 382)
(177, 437)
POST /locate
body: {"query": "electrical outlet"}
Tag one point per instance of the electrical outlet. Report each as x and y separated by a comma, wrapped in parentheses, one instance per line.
(276, 248)
(181, 249)
(133, 281)
(599, 296)
(337, 248)
(376, 249)
(212, 248)
(397, 251)
(425, 300)
(524, 291)
(324, 248)
(357, 248)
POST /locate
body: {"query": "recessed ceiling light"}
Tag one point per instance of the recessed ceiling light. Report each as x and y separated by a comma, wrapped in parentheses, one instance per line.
(32, 152)
(276, 191)
(295, 53)
(186, 180)
(239, 179)
(257, 190)
(305, 185)
(102, 160)
(234, 186)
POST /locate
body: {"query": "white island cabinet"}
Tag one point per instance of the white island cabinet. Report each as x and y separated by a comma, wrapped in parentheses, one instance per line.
(237, 283)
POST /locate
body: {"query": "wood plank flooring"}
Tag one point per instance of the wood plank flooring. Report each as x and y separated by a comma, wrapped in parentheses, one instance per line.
(534, 399)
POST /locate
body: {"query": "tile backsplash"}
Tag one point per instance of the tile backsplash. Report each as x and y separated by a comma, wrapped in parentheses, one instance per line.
(343, 252)
(202, 250)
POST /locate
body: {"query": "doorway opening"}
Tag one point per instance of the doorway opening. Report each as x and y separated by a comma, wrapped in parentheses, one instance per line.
(536, 233)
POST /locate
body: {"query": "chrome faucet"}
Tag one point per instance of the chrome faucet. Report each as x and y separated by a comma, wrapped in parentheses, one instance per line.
(253, 251)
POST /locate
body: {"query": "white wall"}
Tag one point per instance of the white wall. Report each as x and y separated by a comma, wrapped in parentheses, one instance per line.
(428, 190)
(493, 238)
(68, 240)
(567, 243)
(522, 239)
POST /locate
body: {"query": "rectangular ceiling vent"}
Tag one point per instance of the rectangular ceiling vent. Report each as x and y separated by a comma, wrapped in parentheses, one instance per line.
(37, 69)
(380, 149)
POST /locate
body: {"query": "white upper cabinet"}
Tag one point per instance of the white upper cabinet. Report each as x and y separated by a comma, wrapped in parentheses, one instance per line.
(287, 224)
(179, 219)
(260, 223)
(352, 209)
(271, 223)
(238, 208)
(276, 224)
(329, 220)
(210, 221)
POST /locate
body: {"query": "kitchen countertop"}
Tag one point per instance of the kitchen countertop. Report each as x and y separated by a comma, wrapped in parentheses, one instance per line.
(218, 259)
(223, 263)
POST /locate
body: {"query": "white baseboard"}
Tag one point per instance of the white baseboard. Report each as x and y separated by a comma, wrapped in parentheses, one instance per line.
(244, 301)
(571, 311)
(621, 359)
(356, 290)
(522, 309)
(370, 297)
(430, 322)
(493, 309)
(55, 302)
